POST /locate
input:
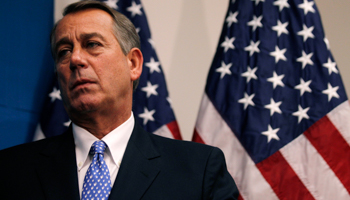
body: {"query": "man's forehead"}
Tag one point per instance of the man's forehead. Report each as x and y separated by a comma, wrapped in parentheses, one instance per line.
(86, 18)
(85, 22)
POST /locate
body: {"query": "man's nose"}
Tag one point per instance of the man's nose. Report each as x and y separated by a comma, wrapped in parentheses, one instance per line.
(78, 59)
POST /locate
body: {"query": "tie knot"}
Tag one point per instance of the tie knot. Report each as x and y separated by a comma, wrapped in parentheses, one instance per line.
(98, 147)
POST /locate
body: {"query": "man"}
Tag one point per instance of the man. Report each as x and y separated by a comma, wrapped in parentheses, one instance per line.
(98, 63)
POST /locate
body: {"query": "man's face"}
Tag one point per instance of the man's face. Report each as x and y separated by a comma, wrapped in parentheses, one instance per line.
(93, 72)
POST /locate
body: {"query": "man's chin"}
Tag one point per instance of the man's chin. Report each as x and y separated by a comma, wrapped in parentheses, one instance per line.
(84, 107)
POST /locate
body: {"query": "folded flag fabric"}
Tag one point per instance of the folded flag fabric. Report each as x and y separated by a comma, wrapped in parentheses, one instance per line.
(275, 103)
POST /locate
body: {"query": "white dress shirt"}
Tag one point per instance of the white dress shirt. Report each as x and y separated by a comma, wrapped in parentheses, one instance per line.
(116, 142)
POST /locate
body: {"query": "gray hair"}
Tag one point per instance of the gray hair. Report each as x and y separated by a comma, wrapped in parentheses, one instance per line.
(124, 29)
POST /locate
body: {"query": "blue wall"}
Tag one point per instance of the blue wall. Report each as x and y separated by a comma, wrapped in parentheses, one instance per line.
(26, 67)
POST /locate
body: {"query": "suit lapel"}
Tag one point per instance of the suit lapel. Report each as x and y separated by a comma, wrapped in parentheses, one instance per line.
(139, 167)
(58, 170)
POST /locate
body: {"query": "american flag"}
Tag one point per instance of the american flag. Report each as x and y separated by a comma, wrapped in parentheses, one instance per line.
(151, 103)
(275, 103)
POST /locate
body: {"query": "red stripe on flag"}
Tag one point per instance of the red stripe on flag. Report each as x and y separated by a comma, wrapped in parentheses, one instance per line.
(196, 137)
(174, 129)
(282, 178)
(330, 144)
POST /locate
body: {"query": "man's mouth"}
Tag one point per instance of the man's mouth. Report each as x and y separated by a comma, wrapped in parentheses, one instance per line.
(82, 82)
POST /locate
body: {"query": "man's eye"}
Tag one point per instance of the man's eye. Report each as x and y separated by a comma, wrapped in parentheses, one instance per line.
(92, 44)
(62, 53)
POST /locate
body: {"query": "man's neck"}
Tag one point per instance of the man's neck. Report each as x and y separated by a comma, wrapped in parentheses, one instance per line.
(100, 125)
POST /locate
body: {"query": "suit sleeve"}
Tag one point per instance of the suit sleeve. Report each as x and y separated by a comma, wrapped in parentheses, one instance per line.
(218, 183)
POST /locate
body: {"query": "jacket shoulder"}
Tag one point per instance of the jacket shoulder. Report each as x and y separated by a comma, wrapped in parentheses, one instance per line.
(184, 149)
(28, 150)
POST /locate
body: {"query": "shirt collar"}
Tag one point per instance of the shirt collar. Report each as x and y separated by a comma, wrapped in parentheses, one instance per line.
(116, 141)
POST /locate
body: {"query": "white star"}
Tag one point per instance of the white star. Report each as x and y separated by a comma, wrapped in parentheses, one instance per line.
(271, 134)
(331, 66)
(253, 47)
(305, 59)
(307, 6)
(232, 18)
(303, 86)
(138, 29)
(150, 89)
(66, 124)
(55, 94)
(256, 22)
(135, 9)
(301, 113)
(224, 69)
(331, 92)
(250, 74)
(257, 1)
(153, 65)
(150, 40)
(147, 115)
(112, 4)
(281, 4)
(228, 43)
(281, 28)
(274, 107)
(306, 32)
(279, 54)
(327, 43)
(276, 80)
(247, 100)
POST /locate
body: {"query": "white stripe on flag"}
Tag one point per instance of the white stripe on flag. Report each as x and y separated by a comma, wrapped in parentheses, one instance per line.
(341, 119)
(312, 170)
(214, 131)
(164, 131)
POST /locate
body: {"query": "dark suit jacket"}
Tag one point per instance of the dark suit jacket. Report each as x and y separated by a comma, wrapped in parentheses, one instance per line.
(153, 167)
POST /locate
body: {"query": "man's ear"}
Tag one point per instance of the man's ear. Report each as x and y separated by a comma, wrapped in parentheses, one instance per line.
(135, 59)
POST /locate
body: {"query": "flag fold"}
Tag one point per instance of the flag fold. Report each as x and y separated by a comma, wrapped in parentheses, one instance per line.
(275, 103)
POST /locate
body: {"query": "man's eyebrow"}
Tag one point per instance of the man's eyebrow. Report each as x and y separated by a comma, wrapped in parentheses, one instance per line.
(83, 36)
(62, 41)
(86, 36)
